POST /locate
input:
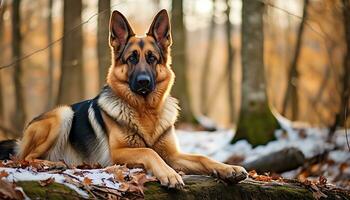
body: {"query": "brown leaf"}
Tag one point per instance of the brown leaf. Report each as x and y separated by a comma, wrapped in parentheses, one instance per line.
(46, 181)
(3, 173)
(79, 173)
(89, 166)
(322, 181)
(123, 187)
(118, 175)
(87, 181)
(8, 191)
(252, 174)
(317, 193)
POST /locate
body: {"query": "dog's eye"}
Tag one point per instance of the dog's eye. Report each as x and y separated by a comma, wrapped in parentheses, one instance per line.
(133, 59)
(151, 58)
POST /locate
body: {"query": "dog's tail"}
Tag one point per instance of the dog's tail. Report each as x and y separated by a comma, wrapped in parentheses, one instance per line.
(7, 148)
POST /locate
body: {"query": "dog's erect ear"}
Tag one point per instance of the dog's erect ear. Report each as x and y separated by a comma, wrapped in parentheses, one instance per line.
(120, 31)
(160, 29)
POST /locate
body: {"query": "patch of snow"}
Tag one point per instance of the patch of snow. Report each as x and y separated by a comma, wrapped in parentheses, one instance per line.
(16, 175)
(97, 176)
(204, 142)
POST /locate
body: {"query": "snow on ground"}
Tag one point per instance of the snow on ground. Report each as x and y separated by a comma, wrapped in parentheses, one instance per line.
(311, 141)
(97, 176)
(217, 144)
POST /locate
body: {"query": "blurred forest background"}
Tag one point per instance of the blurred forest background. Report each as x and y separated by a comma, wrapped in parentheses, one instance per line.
(239, 63)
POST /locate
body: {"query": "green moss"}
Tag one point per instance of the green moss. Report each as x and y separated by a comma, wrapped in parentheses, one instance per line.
(52, 191)
(210, 189)
(257, 126)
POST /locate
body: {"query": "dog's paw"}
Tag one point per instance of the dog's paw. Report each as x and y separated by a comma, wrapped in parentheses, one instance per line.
(169, 178)
(230, 173)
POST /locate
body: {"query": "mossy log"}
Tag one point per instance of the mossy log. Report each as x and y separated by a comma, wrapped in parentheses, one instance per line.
(198, 187)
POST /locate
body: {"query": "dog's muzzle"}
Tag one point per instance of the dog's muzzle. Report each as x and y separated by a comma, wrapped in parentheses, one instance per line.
(142, 84)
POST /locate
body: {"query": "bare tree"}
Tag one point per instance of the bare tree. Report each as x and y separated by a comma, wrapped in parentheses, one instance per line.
(20, 115)
(2, 11)
(291, 94)
(256, 122)
(206, 65)
(50, 94)
(229, 64)
(180, 89)
(345, 78)
(103, 50)
(71, 87)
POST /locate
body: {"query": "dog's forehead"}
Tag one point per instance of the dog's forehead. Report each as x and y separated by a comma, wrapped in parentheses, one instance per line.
(141, 43)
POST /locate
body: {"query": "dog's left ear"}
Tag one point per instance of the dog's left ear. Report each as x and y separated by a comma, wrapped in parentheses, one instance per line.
(120, 31)
(160, 29)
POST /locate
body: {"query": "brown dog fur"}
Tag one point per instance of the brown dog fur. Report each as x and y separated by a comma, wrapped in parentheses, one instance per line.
(155, 148)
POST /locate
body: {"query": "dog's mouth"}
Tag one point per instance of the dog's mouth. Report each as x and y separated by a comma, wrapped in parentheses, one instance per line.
(143, 91)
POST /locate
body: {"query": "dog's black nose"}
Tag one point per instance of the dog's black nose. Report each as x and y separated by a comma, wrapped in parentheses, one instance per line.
(143, 80)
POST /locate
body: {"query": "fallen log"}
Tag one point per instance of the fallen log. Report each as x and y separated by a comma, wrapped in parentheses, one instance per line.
(201, 187)
(279, 161)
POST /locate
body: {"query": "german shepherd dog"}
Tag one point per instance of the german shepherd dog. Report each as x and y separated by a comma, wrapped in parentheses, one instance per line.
(132, 119)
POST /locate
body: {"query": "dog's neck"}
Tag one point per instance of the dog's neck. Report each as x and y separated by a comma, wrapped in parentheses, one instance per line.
(125, 115)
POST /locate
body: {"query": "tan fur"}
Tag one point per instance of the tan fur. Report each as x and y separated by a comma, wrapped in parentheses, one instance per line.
(41, 134)
(140, 130)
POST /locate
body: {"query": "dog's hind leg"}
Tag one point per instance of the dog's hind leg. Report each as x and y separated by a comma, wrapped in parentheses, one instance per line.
(41, 134)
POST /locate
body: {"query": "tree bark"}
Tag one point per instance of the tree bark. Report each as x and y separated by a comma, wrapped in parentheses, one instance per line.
(206, 65)
(71, 87)
(198, 187)
(50, 97)
(256, 122)
(179, 62)
(20, 116)
(2, 11)
(345, 79)
(291, 94)
(229, 66)
(103, 49)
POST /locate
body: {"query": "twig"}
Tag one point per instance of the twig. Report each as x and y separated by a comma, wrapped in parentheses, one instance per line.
(96, 14)
(57, 40)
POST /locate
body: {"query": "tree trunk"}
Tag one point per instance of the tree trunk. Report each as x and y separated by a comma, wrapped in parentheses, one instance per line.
(179, 63)
(71, 87)
(19, 116)
(206, 65)
(2, 41)
(198, 187)
(103, 49)
(229, 66)
(345, 79)
(291, 94)
(50, 97)
(256, 122)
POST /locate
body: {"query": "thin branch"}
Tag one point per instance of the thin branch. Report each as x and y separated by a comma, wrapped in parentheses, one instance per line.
(59, 39)
(96, 14)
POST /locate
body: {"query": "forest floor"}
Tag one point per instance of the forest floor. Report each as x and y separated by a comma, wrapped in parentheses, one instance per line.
(326, 165)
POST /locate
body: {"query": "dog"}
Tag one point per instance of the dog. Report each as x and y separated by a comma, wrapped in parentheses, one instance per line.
(131, 121)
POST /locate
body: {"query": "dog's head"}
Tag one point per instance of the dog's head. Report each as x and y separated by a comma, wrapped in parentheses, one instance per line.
(140, 71)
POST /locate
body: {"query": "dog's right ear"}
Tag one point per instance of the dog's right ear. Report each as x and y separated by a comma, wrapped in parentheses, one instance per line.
(120, 32)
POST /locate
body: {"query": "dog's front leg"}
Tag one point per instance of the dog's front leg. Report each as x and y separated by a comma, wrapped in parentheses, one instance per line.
(151, 161)
(196, 164)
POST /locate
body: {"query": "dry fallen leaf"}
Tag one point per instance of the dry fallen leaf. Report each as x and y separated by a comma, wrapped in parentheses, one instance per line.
(8, 191)
(3, 173)
(87, 181)
(322, 181)
(46, 181)
(317, 193)
(89, 166)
